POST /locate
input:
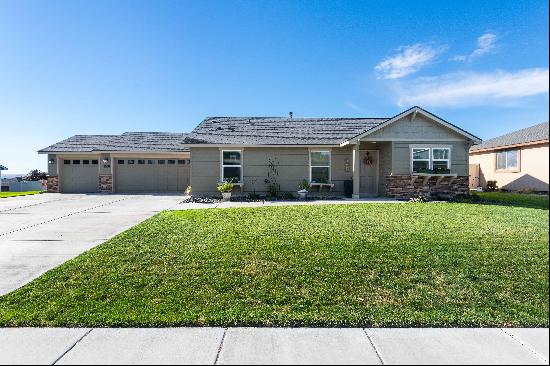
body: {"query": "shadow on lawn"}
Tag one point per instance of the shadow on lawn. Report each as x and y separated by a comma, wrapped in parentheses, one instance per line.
(506, 199)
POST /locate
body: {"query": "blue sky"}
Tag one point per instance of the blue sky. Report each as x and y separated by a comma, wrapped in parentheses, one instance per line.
(105, 67)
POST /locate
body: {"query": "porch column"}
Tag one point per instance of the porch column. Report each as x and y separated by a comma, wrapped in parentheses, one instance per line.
(356, 167)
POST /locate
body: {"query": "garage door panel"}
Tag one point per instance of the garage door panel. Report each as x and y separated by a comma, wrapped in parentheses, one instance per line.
(80, 177)
(141, 178)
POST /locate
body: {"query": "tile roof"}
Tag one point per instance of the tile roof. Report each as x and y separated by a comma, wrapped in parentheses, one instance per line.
(279, 130)
(128, 141)
(530, 134)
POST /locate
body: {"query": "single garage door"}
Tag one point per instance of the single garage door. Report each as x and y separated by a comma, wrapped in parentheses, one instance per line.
(80, 176)
(151, 175)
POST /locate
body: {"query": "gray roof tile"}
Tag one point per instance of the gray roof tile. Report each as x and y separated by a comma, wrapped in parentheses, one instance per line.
(530, 134)
(279, 130)
(128, 141)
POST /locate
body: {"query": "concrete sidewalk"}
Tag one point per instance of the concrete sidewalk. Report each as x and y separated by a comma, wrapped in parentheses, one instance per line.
(273, 346)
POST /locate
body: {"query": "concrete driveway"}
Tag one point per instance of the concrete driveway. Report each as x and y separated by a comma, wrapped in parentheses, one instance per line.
(39, 232)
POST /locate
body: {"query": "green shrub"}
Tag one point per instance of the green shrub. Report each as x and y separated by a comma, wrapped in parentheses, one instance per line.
(225, 187)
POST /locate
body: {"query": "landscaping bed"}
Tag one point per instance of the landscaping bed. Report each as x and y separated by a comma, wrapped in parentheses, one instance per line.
(412, 264)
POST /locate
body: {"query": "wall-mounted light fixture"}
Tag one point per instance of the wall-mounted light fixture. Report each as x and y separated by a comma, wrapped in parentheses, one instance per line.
(51, 161)
(105, 160)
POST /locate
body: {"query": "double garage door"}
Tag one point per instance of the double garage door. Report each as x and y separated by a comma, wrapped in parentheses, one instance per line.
(80, 176)
(161, 175)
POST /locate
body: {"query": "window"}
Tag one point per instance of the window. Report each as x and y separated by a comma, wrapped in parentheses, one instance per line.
(85, 162)
(508, 160)
(181, 162)
(430, 160)
(150, 162)
(77, 162)
(130, 162)
(94, 162)
(161, 161)
(440, 159)
(420, 159)
(121, 162)
(319, 165)
(171, 162)
(232, 166)
(141, 161)
(66, 162)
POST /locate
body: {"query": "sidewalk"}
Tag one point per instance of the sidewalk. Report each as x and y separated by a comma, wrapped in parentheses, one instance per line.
(273, 346)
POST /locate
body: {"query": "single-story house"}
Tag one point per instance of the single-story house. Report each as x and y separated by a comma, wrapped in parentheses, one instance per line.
(516, 161)
(411, 154)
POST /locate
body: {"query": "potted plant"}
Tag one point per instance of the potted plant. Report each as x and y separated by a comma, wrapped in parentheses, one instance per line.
(303, 189)
(225, 189)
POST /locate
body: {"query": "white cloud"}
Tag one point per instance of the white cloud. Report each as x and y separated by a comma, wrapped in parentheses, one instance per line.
(410, 59)
(465, 89)
(486, 43)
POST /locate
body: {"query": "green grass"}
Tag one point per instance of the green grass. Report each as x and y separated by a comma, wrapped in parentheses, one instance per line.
(16, 194)
(407, 264)
(517, 199)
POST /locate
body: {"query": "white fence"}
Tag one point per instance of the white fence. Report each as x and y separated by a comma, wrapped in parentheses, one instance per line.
(25, 186)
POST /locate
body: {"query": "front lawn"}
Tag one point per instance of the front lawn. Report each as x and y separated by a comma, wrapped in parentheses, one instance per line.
(15, 194)
(409, 264)
(516, 199)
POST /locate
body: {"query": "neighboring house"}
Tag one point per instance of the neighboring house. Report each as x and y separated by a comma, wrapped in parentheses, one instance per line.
(414, 153)
(517, 161)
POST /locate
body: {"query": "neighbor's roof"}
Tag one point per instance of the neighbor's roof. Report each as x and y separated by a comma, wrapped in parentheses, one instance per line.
(527, 135)
(128, 141)
(279, 130)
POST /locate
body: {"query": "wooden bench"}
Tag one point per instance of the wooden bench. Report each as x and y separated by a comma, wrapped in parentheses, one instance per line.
(321, 186)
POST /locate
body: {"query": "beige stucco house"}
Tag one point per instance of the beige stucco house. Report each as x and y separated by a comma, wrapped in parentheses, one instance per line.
(516, 161)
(411, 154)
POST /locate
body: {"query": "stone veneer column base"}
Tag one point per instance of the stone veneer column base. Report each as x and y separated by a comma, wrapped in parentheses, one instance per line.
(106, 183)
(52, 184)
(402, 186)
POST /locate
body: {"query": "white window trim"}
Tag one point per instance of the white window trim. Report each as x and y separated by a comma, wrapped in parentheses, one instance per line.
(517, 169)
(222, 178)
(430, 148)
(321, 166)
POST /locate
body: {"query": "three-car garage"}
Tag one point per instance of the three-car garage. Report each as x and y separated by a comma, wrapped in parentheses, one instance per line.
(158, 174)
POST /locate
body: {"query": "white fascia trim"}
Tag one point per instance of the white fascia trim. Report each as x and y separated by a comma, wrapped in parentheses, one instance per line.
(118, 152)
(237, 146)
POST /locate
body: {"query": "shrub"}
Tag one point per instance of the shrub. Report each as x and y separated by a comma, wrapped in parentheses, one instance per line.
(225, 187)
(288, 196)
(491, 185)
(35, 175)
(304, 185)
(419, 199)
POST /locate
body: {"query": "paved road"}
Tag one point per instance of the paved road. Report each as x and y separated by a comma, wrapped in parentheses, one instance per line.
(273, 346)
(40, 232)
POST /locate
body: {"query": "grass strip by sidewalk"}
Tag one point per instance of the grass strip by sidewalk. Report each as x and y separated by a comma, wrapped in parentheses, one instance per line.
(17, 194)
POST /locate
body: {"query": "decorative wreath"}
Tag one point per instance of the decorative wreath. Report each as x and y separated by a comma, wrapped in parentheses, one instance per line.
(368, 159)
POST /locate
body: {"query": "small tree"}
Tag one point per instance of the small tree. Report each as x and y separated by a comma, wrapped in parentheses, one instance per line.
(35, 175)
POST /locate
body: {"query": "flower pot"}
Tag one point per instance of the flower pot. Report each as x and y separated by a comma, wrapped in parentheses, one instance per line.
(226, 196)
(302, 194)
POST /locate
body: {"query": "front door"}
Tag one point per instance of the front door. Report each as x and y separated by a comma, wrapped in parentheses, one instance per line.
(369, 173)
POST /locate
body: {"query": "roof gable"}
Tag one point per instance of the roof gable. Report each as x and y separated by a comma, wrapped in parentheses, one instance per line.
(524, 136)
(414, 112)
